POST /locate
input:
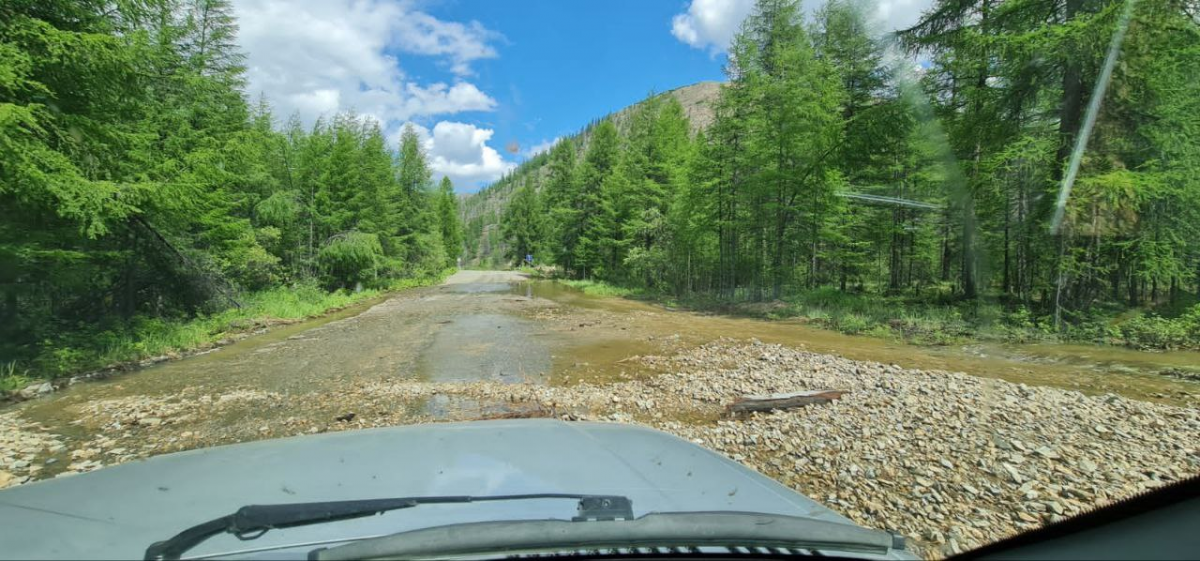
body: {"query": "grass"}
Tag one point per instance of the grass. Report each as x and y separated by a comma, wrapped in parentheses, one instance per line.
(146, 337)
(11, 378)
(601, 288)
(937, 318)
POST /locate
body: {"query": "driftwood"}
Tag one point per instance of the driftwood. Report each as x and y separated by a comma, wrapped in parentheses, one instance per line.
(782, 401)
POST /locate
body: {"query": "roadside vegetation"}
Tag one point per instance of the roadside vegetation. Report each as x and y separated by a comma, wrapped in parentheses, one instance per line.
(148, 337)
(936, 319)
(870, 198)
(150, 209)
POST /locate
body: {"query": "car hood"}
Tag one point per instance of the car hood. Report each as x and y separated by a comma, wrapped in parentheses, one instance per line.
(118, 511)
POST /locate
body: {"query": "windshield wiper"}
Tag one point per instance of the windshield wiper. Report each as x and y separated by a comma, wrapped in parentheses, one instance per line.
(252, 521)
(693, 532)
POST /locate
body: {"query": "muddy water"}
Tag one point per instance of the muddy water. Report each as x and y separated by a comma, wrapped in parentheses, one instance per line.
(1091, 369)
(499, 326)
(308, 377)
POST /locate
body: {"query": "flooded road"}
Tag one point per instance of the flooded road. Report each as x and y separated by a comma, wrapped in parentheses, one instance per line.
(1091, 369)
(491, 327)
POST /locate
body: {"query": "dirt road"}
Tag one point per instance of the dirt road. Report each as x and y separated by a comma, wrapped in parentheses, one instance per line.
(952, 460)
(477, 326)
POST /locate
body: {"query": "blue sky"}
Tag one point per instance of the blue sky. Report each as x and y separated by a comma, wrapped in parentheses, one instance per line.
(485, 83)
(563, 63)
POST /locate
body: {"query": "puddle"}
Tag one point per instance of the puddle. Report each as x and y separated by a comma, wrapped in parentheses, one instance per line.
(486, 347)
(478, 287)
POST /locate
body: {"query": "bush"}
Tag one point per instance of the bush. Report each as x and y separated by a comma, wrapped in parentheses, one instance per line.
(853, 323)
(350, 258)
(1153, 332)
(598, 288)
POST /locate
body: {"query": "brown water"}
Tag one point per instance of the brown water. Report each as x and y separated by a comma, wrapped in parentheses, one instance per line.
(502, 327)
(1091, 369)
(489, 327)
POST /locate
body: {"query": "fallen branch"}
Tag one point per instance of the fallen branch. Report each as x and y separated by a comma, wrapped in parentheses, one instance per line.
(782, 401)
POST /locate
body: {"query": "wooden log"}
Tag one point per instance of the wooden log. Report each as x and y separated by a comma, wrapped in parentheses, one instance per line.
(782, 401)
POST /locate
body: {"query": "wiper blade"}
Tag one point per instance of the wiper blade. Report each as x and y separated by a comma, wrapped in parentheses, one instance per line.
(688, 531)
(252, 521)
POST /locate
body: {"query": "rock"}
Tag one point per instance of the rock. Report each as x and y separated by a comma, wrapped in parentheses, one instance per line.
(7, 479)
(1046, 452)
(901, 450)
(36, 389)
(1014, 474)
(150, 421)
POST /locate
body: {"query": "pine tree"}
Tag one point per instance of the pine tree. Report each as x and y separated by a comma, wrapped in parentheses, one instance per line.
(594, 228)
(521, 225)
(448, 220)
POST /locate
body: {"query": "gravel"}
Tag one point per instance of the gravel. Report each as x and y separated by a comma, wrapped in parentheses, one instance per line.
(950, 460)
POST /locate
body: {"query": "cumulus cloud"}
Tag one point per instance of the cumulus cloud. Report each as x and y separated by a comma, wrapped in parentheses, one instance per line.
(710, 24)
(460, 151)
(316, 57)
(424, 34)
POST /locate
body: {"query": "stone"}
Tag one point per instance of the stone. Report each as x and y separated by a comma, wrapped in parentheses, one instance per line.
(36, 389)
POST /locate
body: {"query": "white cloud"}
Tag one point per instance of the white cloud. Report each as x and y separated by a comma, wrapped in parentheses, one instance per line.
(460, 151)
(317, 57)
(710, 23)
(541, 147)
(424, 34)
(891, 15)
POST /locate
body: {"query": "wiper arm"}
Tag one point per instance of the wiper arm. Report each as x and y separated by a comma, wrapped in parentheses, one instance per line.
(688, 531)
(252, 521)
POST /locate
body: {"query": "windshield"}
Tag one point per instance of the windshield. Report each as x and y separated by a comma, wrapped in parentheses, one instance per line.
(929, 267)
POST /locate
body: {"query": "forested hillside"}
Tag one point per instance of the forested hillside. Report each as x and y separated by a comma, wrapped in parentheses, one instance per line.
(141, 189)
(483, 211)
(830, 174)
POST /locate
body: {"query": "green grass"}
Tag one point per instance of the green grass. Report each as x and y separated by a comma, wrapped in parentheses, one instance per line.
(12, 378)
(600, 288)
(146, 337)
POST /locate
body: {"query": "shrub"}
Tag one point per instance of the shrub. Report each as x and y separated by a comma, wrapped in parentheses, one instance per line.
(350, 258)
(1154, 332)
(853, 323)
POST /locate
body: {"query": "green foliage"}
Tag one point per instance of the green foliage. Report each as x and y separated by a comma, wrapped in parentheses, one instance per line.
(351, 257)
(872, 199)
(141, 191)
(1155, 332)
(522, 225)
(599, 288)
(446, 207)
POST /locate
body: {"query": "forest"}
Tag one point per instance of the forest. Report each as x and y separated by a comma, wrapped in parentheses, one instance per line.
(906, 185)
(149, 207)
(840, 183)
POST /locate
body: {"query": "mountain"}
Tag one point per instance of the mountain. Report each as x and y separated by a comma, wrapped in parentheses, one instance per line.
(481, 211)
